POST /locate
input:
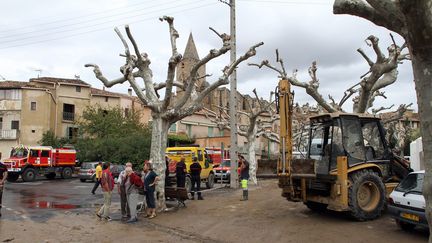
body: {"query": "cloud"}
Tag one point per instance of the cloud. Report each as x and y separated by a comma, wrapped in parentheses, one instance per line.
(302, 31)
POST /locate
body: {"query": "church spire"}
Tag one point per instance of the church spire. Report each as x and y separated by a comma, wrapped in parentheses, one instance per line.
(191, 52)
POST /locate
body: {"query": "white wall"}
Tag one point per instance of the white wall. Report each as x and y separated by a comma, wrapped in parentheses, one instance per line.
(416, 155)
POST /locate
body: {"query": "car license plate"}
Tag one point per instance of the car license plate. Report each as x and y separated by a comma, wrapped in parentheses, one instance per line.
(409, 216)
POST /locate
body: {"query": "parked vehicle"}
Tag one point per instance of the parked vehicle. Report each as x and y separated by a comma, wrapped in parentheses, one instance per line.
(223, 171)
(176, 153)
(215, 155)
(88, 171)
(407, 204)
(28, 162)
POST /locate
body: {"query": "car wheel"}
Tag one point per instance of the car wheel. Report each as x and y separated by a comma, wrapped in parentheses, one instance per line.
(29, 174)
(12, 177)
(210, 181)
(82, 180)
(67, 173)
(405, 226)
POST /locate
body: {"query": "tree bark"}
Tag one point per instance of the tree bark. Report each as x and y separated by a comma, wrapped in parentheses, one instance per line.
(418, 16)
(251, 156)
(160, 128)
(416, 28)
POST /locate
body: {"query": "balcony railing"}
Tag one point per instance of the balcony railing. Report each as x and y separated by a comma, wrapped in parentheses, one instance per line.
(68, 116)
(8, 134)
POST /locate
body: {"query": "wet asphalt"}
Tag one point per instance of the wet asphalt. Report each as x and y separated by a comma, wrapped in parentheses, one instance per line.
(42, 199)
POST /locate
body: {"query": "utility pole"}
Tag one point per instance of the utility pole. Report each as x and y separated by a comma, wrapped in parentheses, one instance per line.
(233, 100)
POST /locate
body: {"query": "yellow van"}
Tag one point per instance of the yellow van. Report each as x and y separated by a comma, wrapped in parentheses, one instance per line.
(176, 153)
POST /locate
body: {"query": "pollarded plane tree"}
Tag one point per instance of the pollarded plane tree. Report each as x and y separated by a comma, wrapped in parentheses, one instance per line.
(166, 109)
(382, 73)
(412, 20)
(259, 122)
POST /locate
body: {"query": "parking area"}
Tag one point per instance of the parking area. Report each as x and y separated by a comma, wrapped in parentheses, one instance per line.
(63, 211)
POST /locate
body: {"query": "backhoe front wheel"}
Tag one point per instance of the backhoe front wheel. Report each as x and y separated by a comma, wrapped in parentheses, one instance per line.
(366, 195)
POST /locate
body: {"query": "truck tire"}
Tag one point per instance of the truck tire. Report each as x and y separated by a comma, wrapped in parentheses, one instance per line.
(50, 176)
(29, 174)
(316, 206)
(210, 181)
(12, 177)
(66, 173)
(188, 184)
(366, 197)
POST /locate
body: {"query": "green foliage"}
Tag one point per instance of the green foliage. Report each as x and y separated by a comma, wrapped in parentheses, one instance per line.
(49, 139)
(107, 135)
(179, 139)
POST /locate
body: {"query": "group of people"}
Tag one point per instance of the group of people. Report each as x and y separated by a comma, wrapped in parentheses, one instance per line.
(129, 185)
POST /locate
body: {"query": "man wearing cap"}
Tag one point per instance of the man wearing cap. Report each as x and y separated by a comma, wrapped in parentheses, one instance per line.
(195, 171)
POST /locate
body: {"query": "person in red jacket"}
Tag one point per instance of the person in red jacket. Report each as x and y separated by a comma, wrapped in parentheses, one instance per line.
(107, 184)
(132, 183)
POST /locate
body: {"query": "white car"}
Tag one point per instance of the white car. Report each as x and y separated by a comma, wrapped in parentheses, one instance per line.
(407, 204)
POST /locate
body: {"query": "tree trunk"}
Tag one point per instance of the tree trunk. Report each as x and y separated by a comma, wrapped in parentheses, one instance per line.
(422, 66)
(418, 15)
(251, 156)
(157, 155)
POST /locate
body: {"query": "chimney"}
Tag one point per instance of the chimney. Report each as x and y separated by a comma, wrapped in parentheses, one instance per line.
(103, 88)
(130, 92)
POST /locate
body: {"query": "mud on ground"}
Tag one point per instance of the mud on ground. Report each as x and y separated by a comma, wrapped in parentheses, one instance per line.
(221, 217)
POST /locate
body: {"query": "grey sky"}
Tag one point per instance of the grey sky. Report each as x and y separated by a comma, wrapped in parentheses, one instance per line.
(59, 37)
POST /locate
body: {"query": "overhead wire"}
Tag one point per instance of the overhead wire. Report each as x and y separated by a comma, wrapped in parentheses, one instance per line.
(85, 21)
(61, 18)
(59, 29)
(104, 28)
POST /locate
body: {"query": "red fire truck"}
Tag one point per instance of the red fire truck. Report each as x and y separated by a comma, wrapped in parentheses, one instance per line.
(215, 154)
(44, 160)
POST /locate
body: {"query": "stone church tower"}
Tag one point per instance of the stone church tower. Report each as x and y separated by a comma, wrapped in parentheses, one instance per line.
(190, 58)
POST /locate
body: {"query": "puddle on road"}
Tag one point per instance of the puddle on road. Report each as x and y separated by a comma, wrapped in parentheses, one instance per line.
(57, 205)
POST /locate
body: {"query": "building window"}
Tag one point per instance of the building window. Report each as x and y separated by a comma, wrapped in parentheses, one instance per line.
(173, 127)
(189, 130)
(72, 132)
(68, 112)
(15, 125)
(210, 132)
(33, 131)
(33, 106)
(78, 89)
(106, 99)
(1, 123)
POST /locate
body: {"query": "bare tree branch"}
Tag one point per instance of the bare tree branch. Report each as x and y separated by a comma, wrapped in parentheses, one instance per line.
(382, 108)
(173, 61)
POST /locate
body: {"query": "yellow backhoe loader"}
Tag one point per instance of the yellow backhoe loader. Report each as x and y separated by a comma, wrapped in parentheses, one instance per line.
(348, 165)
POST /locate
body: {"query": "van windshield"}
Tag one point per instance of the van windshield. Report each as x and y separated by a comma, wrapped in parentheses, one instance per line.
(19, 152)
(179, 152)
(412, 183)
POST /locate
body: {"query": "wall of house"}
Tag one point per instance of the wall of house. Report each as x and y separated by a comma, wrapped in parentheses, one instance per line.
(103, 102)
(67, 94)
(10, 110)
(35, 122)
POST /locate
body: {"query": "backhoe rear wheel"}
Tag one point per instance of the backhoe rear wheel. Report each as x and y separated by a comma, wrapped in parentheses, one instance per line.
(366, 195)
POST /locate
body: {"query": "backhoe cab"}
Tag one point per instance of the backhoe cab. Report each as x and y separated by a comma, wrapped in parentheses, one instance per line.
(348, 166)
